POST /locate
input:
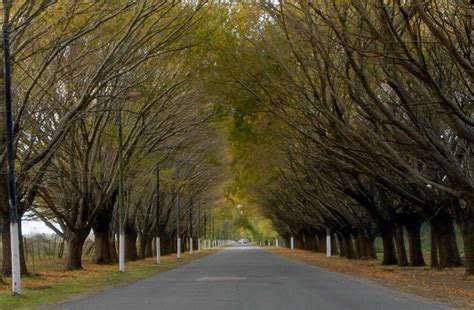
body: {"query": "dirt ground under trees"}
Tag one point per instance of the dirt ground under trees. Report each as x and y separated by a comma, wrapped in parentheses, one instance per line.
(448, 285)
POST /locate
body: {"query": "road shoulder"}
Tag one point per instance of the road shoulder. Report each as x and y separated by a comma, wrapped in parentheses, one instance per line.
(450, 286)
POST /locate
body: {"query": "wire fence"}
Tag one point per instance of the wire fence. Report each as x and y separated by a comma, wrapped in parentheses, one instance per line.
(47, 247)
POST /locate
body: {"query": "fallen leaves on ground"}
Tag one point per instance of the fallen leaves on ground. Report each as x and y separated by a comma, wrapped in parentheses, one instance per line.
(449, 285)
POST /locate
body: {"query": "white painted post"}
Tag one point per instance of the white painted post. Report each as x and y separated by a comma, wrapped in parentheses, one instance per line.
(178, 247)
(328, 243)
(122, 252)
(292, 243)
(158, 250)
(191, 245)
(15, 253)
(276, 243)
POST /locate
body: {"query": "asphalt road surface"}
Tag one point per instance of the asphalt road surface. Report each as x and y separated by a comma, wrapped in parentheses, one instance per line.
(250, 278)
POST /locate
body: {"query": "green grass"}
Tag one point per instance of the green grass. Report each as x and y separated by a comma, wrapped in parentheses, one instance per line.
(84, 282)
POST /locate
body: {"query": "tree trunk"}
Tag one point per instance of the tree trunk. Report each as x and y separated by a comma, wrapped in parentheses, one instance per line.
(415, 251)
(434, 248)
(342, 246)
(167, 245)
(316, 247)
(359, 250)
(400, 246)
(101, 248)
(101, 237)
(448, 252)
(334, 250)
(142, 241)
(457, 255)
(131, 253)
(349, 246)
(322, 243)
(389, 254)
(467, 229)
(149, 247)
(370, 247)
(113, 249)
(74, 252)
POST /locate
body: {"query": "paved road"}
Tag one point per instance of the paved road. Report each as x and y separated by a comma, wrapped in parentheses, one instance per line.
(250, 278)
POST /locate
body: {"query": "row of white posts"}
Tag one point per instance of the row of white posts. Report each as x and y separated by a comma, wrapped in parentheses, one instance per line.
(210, 244)
(292, 243)
(202, 244)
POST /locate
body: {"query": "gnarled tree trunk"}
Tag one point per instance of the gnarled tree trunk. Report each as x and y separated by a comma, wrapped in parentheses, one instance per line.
(351, 254)
(370, 247)
(142, 242)
(131, 253)
(400, 245)
(415, 251)
(448, 252)
(75, 243)
(389, 254)
(467, 229)
(334, 249)
(149, 247)
(434, 248)
(342, 246)
(101, 236)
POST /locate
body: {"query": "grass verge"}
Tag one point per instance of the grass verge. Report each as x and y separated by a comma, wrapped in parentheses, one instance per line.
(450, 285)
(52, 284)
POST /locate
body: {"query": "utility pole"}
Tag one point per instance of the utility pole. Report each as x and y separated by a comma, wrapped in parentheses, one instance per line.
(213, 232)
(14, 218)
(191, 226)
(178, 238)
(129, 95)
(158, 244)
(121, 198)
(328, 243)
(206, 236)
(199, 225)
